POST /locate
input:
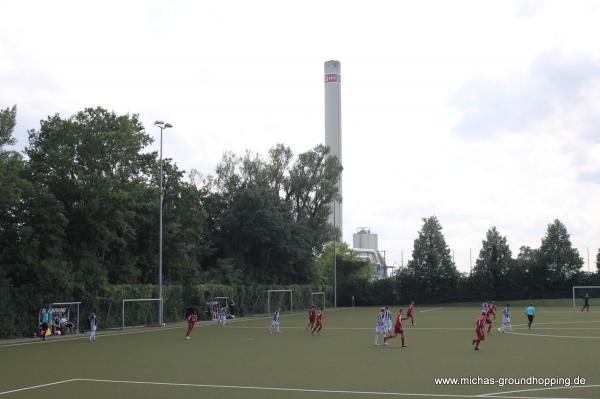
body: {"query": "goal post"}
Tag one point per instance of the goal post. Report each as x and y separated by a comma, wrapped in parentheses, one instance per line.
(274, 301)
(222, 300)
(585, 288)
(145, 314)
(65, 307)
(317, 299)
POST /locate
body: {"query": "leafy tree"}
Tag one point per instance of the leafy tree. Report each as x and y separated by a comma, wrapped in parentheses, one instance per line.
(558, 257)
(598, 261)
(349, 266)
(431, 271)
(269, 217)
(31, 235)
(493, 265)
(92, 163)
(8, 118)
(529, 269)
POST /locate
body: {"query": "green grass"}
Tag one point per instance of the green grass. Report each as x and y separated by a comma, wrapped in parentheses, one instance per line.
(342, 358)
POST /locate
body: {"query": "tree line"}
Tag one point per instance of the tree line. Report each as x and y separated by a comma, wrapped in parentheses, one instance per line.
(79, 211)
(432, 276)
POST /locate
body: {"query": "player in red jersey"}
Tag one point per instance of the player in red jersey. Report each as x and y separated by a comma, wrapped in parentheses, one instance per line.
(398, 329)
(479, 326)
(312, 317)
(318, 326)
(492, 310)
(409, 312)
(488, 319)
(192, 318)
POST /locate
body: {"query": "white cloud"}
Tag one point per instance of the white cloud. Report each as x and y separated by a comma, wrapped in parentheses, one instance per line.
(245, 75)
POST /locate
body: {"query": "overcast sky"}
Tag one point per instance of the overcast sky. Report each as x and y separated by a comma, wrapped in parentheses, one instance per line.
(479, 112)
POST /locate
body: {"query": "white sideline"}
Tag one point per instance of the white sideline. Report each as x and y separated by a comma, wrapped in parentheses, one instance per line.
(36, 386)
(282, 389)
(179, 325)
(486, 395)
(551, 336)
(559, 322)
(429, 310)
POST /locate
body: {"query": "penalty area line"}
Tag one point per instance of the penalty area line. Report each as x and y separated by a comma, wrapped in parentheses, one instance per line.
(495, 394)
(36, 386)
(551, 336)
(429, 310)
(283, 389)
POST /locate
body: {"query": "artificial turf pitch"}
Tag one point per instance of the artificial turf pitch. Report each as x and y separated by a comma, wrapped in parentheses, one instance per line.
(242, 361)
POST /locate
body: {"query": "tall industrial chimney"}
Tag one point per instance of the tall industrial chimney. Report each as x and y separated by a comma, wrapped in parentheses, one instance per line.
(333, 126)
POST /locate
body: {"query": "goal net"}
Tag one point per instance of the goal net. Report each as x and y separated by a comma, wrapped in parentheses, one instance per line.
(67, 313)
(140, 312)
(317, 299)
(579, 292)
(280, 299)
(222, 301)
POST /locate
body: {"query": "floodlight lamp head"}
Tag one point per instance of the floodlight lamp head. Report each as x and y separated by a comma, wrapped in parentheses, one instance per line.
(157, 123)
(168, 125)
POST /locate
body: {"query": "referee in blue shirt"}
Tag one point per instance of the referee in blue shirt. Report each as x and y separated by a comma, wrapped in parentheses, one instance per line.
(530, 315)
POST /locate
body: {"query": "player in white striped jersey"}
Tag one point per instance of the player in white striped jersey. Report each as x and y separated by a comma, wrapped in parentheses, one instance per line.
(275, 322)
(388, 320)
(222, 316)
(505, 319)
(93, 325)
(380, 326)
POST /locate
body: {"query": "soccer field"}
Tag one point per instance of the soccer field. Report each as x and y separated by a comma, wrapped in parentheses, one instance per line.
(242, 361)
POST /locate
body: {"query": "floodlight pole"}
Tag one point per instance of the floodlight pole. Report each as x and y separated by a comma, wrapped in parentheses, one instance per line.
(334, 259)
(161, 125)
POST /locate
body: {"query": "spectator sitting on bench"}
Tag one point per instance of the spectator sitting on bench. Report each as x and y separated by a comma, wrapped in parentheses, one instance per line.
(65, 325)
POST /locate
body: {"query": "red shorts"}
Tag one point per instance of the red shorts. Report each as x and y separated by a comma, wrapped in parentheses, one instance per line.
(311, 321)
(480, 334)
(409, 314)
(191, 324)
(398, 330)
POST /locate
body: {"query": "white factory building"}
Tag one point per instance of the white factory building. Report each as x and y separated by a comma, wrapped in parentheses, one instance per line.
(365, 246)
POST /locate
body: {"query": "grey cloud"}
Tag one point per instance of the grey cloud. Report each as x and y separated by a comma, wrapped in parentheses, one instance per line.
(554, 81)
(589, 177)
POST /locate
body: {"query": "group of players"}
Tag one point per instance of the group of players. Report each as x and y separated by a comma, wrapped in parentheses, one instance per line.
(315, 320)
(488, 310)
(384, 321)
(383, 327)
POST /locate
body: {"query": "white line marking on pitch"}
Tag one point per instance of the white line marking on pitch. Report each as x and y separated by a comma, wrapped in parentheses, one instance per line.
(281, 389)
(559, 322)
(112, 334)
(538, 389)
(429, 310)
(551, 336)
(178, 326)
(36, 387)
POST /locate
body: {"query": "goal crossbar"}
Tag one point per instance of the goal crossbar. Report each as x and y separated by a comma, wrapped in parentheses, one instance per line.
(269, 299)
(226, 298)
(581, 287)
(314, 294)
(159, 300)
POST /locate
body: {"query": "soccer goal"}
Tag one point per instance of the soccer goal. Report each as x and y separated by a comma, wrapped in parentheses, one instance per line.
(140, 312)
(70, 311)
(317, 299)
(579, 292)
(280, 299)
(222, 301)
